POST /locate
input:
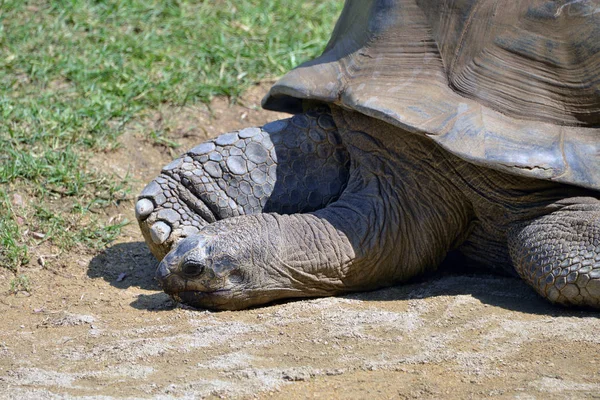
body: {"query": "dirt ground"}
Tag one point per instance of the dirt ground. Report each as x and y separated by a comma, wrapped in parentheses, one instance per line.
(96, 326)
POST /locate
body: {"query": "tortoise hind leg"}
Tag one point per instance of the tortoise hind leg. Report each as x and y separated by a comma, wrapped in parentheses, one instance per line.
(559, 254)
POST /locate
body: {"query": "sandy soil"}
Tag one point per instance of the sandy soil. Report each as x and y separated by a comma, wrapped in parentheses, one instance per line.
(97, 326)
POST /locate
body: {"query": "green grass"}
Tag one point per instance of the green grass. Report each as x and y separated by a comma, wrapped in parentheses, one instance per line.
(20, 283)
(13, 252)
(74, 73)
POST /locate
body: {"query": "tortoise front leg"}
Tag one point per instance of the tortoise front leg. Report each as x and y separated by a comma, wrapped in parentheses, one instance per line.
(559, 254)
(289, 166)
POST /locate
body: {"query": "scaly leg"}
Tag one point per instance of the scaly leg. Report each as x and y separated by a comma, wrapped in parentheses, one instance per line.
(289, 166)
(559, 254)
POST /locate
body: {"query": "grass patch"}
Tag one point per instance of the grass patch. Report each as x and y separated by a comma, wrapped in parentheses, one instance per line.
(74, 227)
(73, 73)
(13, 251)
(20, 283)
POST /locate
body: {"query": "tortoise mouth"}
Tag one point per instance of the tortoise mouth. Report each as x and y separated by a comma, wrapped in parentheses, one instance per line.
(203, 299)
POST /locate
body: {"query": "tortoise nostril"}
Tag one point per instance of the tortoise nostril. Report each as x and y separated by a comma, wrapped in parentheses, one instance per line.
(192, 269)
(163, 272)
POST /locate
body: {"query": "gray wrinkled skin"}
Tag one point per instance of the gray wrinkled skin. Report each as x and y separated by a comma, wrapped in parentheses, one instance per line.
(318, 206)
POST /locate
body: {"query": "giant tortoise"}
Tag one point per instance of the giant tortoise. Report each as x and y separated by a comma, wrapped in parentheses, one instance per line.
(425, 127)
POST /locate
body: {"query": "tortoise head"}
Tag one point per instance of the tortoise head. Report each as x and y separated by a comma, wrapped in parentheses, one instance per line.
(256, 259)
(202, 272)
(227, 265)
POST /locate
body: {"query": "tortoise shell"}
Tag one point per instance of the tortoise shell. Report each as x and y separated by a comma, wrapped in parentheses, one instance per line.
(511, 85)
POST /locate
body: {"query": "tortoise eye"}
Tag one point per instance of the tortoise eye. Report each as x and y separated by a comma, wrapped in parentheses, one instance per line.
(192, 269)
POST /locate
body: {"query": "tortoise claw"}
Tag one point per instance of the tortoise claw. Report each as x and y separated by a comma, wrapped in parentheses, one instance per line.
(160, 232)
(143, 208)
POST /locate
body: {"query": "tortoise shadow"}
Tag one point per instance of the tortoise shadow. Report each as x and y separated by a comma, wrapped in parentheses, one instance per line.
(126, 265)
(509, 293)
(456, 277)
(135, 265)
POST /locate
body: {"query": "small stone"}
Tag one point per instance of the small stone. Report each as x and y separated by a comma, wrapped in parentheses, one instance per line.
(334, 372)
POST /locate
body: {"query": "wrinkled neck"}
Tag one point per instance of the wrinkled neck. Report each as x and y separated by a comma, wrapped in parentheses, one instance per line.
(406, 211)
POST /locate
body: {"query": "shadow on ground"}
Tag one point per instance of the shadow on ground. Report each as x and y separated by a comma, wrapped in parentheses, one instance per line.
(457, 277)
(125, 265)
(138, 264)
(499, 291)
